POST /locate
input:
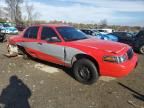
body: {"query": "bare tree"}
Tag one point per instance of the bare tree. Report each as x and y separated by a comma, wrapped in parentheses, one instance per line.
(103, 23)
(31, 14)
(14, 9)
(1, 11)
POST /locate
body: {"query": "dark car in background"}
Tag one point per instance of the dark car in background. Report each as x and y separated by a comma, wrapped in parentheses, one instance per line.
(2, 36)
(20, 27)
(124, 37)
(136, 41)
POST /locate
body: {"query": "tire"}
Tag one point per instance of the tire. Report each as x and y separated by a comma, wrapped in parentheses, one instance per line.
(85, 71)
(3, 38)
(141, 49)
(22, 51)
(26, 57)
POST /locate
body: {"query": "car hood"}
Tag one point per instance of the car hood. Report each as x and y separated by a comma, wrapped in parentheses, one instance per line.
(104, 45)
(111, 36)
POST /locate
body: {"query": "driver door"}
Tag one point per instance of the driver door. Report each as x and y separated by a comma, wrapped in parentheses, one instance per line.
(50, 46)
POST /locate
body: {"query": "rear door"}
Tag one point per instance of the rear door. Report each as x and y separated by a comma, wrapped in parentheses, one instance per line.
(30, 39)
(50, 46)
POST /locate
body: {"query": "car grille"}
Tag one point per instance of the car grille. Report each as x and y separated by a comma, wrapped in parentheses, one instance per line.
(130, 53)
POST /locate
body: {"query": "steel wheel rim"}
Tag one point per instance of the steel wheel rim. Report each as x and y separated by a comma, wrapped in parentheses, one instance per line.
(84, 73)
(142, 49)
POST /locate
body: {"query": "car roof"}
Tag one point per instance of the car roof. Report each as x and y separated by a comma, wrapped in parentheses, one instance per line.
(53, 25)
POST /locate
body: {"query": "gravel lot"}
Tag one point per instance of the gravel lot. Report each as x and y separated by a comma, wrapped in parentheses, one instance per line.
(37, 84)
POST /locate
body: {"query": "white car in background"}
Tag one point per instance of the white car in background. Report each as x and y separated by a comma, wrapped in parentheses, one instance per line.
(105, 31)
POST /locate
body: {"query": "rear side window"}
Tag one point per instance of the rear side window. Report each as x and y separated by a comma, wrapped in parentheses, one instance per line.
(31, 32)
(48, 33)
(26, 34)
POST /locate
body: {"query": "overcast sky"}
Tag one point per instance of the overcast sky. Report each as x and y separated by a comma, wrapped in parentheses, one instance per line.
(119, 12)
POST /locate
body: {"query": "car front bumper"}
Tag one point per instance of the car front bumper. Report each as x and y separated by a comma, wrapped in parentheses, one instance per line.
(119, 70)
(9, 32)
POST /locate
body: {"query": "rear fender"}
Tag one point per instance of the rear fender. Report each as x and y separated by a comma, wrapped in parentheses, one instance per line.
(12, 50)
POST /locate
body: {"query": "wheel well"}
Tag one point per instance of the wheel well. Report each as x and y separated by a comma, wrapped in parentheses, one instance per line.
(80, 56)
(22, 50)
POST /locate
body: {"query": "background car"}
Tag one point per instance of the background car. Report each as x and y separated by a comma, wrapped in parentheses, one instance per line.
(124, 37)
(20, 27)
(8, 29)
(2, 36)
(104, 31)
(136, 41)
(98, 35)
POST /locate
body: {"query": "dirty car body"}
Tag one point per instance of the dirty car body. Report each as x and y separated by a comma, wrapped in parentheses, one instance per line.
(65, 45)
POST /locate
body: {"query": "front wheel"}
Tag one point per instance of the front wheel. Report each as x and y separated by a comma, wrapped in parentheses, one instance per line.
(85, 71)
(142, 49)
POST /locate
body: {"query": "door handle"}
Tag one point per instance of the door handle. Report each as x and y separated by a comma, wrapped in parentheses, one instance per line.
(39, 43)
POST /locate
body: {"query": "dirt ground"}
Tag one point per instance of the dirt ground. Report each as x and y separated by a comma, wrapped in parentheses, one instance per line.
(37, 84)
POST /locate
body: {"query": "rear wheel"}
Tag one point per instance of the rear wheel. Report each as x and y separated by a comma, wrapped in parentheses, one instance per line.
(85, 71)
(22, 51)
(5, 38)
(142, 49)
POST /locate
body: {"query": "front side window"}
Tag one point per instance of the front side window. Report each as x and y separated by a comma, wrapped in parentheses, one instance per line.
(71, 34)
(49, 34)
(6, 25)
(31, 32)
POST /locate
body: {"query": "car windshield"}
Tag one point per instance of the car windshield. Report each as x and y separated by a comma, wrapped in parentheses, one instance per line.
(6, 25)
(96, 32)
(71, 34)
(130, 35)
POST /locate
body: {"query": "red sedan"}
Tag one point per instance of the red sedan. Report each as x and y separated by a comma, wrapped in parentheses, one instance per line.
(67, 46)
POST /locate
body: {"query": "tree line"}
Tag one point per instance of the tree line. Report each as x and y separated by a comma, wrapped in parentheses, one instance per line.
(15, 14)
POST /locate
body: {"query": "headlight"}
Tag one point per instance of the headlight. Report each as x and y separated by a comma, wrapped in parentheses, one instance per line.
(115, 59)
